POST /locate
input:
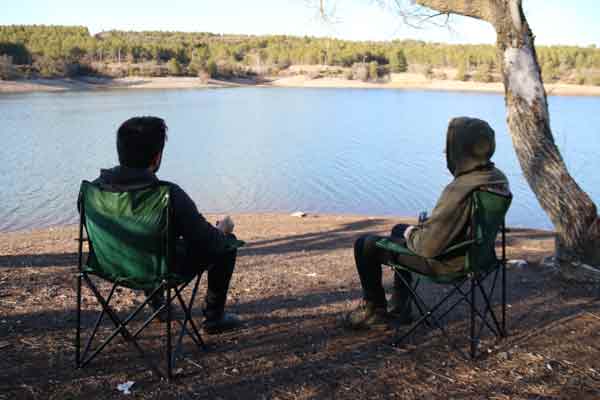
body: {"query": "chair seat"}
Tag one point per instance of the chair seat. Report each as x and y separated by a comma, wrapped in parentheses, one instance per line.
(435, 270)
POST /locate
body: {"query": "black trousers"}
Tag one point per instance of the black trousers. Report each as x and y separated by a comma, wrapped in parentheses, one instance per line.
(220, 269)
(369, 259)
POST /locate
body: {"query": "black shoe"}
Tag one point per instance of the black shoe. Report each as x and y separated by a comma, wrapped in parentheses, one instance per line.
(225, 322)
(400, 310)
(367, 315)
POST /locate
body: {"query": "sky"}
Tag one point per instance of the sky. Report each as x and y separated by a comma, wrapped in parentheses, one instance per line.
(552, 21)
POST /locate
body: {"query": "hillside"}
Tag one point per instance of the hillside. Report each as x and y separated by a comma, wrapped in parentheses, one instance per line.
(59, 51)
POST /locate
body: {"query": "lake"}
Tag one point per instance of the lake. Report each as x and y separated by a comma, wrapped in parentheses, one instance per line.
(340, 151)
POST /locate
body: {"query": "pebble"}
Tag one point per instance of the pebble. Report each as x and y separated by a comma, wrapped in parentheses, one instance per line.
(517, 263)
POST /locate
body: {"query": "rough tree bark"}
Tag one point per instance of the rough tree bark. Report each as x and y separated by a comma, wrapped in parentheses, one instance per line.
(570, 209)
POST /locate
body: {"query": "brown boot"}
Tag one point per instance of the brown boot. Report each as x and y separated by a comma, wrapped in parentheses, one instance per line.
(367, 315)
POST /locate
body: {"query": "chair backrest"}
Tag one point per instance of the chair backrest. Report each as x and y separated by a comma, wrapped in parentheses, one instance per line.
(489, 211)
(128, 233)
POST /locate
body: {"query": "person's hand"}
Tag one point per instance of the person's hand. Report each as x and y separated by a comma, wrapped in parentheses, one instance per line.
(407, 232)
(226, 225)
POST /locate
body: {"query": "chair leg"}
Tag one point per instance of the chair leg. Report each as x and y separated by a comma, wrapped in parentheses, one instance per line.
(504, 333)
(169, 344)
(489, 310)
(98, 322)
(121, 325)
(79, 274)
(483, 317)
(78, 330)
(120, 328)
(474, 342)
(427, 316)
(195, 333)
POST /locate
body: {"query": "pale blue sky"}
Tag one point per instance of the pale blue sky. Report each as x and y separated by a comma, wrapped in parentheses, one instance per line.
(553, 21)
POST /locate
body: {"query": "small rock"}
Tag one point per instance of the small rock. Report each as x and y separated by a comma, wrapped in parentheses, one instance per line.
(504, 355)
(517, 264)
(298, 214)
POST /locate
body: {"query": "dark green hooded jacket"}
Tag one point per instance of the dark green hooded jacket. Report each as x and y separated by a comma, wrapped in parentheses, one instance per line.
(470, 145)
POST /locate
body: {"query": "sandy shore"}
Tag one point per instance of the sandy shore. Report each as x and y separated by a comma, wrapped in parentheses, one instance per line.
(293, 283)
(419, 82)
(61, 85)
(406, 81)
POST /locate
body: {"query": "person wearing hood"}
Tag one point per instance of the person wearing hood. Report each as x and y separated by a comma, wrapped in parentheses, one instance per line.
(140, 144)
(470, 145)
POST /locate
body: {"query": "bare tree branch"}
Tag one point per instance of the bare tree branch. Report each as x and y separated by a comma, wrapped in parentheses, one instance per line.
(412, 14)
(325, 10)
(480, 9)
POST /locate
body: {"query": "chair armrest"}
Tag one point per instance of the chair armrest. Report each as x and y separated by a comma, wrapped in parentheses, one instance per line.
(390, 245)
(234, 244)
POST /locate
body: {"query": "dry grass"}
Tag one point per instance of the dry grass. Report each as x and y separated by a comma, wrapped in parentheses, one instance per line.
(293, 283)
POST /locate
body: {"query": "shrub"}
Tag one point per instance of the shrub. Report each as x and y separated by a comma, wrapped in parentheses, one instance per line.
(461, 73)
(483, 74)
(7, 70)
(594, 80)
(373, 70)
(211, 69)
(174, 67)
(549, 72)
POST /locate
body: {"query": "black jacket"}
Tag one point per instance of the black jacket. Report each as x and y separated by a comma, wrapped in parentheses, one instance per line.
(200, 237)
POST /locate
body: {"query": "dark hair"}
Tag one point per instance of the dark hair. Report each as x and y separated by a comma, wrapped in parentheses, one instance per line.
(139, 140)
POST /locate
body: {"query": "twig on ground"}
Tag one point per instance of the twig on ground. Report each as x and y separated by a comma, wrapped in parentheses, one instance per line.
(437, 374)
(592, 314)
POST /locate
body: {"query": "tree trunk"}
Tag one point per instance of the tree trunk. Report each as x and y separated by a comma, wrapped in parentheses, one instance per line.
(570, 209)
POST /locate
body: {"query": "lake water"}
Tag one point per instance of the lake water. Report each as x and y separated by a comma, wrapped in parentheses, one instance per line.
(371, 152)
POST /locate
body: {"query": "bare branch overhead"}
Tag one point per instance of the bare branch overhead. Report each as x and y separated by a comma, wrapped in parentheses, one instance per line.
(480, 9)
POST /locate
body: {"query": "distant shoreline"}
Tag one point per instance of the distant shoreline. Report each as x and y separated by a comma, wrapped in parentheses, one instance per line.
(399, 81)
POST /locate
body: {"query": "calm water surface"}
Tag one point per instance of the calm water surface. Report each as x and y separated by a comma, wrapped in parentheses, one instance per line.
(372, 152)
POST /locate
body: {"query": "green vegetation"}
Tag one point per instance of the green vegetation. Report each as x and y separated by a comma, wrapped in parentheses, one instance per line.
(461, 72)
(483, 73)
(58, 51)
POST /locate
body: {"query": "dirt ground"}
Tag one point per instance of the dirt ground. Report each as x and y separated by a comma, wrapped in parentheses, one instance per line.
(293, 283)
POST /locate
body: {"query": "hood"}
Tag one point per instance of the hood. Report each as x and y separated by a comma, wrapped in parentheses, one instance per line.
(470, 145)
(125, 178)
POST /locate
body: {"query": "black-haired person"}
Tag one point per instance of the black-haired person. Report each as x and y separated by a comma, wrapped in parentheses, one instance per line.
(470, 145)
(140, 144)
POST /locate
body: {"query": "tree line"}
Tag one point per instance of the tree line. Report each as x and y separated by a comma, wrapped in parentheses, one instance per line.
(59, 51)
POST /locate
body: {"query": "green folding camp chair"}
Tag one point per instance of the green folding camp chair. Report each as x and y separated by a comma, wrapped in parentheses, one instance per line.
(132, 244)
(487, 220)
